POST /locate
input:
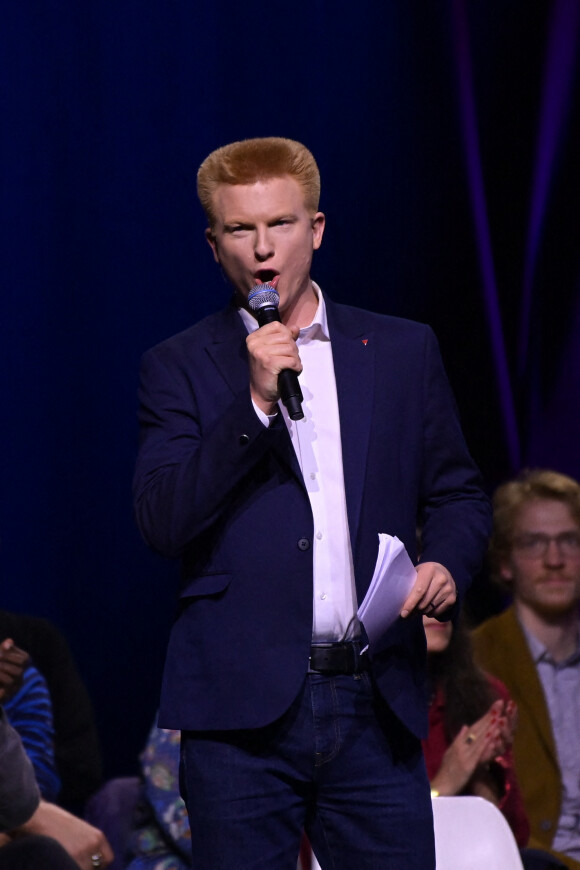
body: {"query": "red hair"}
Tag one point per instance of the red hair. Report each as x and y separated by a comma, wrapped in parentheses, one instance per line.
(254, 160)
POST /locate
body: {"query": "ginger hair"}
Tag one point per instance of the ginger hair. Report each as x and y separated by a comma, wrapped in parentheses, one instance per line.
(252, 160)
(509, 499)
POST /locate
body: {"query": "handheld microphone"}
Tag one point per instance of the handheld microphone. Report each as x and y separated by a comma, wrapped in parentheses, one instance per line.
(264, 301)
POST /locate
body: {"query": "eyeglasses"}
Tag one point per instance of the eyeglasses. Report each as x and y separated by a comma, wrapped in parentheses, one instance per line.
(535, 546)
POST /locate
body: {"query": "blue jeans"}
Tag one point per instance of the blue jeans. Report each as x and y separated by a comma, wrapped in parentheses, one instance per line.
(338, 764)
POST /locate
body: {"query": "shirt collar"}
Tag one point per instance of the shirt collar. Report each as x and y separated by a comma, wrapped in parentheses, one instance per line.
(538, 650)
(318, 328)
(540, 653)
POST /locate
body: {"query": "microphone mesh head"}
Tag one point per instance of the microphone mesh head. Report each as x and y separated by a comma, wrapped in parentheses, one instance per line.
(262, 295)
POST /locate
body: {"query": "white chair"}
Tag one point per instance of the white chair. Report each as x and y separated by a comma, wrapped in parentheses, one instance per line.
(310, 862)
(472, 834)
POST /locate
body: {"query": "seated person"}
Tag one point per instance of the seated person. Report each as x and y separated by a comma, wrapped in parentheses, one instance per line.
(472, 721)
(471, 724)
(534, 647)
(76, 743)
(32, 828)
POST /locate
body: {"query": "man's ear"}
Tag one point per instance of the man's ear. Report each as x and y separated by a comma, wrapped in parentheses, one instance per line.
(506, 572)
(318, 224)
(211, 240)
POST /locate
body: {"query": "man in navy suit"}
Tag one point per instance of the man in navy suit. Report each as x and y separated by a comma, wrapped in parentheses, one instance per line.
(286, 722)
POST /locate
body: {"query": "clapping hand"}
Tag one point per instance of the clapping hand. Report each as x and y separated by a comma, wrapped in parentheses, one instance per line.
(474, 747)
(13, 662)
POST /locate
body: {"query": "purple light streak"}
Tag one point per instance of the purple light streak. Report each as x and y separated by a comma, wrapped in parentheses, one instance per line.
(483, 236)
(556, 97)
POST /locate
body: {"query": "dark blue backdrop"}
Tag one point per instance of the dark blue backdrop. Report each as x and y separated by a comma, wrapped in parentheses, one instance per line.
(447, 137)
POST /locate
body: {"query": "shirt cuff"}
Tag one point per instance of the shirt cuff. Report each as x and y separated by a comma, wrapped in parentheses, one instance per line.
(266, 419)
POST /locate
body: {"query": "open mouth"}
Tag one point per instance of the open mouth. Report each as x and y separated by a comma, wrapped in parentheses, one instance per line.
(267, 276)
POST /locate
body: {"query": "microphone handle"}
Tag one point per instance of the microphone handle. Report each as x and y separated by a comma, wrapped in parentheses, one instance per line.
(290, 391)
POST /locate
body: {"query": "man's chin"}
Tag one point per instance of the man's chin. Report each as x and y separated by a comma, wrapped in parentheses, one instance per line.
(555, 609)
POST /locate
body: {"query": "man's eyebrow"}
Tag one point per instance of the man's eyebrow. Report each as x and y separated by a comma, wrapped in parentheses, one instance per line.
(287, 216)
(235, 225)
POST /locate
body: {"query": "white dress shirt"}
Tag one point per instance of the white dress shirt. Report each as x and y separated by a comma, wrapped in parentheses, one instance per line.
(316, 440)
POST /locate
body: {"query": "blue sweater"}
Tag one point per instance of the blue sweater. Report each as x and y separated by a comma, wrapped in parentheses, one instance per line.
(29, 712)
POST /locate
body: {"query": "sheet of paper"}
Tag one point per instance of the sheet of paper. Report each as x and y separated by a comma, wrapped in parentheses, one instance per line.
(392, 581)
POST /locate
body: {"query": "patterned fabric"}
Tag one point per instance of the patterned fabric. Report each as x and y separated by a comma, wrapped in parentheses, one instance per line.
(161, 840)
(29, 712)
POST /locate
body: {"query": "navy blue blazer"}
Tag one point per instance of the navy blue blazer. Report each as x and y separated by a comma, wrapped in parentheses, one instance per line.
(225, 494)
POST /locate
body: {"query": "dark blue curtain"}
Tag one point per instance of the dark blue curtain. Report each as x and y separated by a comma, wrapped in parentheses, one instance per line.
(427, 122)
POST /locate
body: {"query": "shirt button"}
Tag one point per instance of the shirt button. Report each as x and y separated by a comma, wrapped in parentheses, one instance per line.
(319, 535)
(323, 596)
(244, 439)
(303, 544)
(312, 475)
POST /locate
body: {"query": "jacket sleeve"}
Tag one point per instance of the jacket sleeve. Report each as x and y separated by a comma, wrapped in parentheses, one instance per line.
(455, 512)
(19, 795)
(192, 457)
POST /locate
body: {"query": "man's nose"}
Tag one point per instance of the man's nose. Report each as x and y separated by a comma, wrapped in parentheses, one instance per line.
(553, 554)
(263, 246)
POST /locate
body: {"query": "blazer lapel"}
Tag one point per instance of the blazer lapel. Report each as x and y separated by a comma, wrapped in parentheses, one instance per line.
(353, 355)
(227, 349)
(525, 676)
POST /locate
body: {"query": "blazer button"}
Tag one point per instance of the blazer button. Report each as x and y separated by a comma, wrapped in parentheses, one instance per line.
(244, 439)
(303, 544)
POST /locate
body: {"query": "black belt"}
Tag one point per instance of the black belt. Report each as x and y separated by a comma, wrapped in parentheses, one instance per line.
(338, 658)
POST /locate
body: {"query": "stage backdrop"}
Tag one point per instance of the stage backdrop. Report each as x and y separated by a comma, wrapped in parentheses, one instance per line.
(447, 138)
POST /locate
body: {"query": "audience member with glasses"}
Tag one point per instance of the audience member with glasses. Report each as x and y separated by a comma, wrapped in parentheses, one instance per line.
(533, 647)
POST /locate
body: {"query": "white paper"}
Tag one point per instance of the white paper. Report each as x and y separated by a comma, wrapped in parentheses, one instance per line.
(391, 583)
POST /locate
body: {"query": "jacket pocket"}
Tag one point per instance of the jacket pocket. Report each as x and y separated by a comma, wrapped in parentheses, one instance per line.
(205, 585)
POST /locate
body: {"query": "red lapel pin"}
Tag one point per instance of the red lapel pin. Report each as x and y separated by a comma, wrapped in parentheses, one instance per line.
(365, 341)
